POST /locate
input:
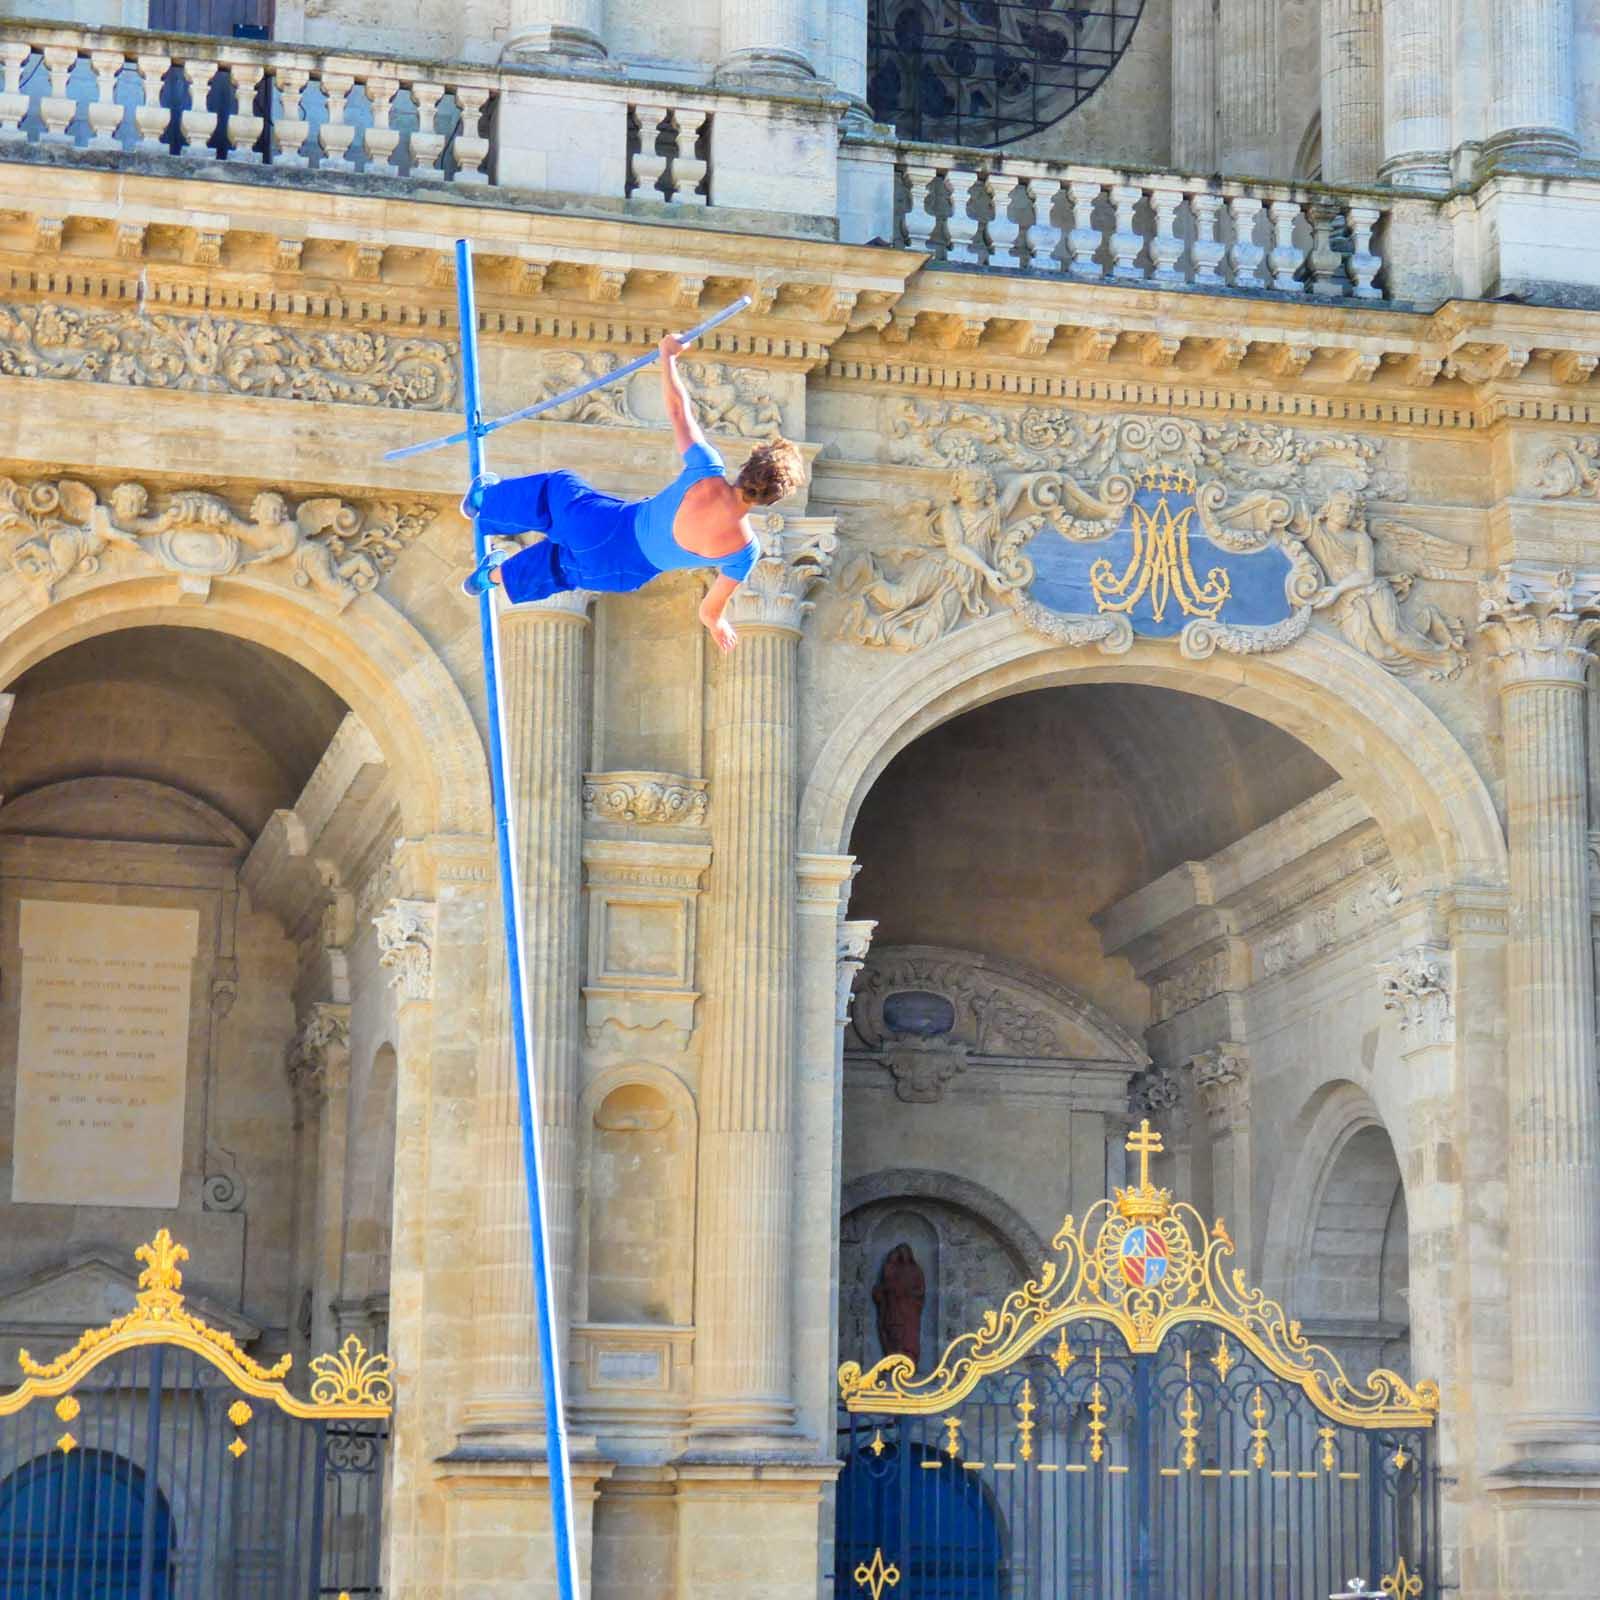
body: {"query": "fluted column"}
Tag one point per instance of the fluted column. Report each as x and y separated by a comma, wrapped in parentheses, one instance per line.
(574, 29)
(1532, 115)
(742, 1379)
(1540, 628)
(1194, 86)
(1417, 136)
(543, 651)
(1352, 91)
(1247, 61)
(765, 38)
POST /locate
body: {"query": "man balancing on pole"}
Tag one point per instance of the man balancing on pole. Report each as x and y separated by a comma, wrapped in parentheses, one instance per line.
(596, 541)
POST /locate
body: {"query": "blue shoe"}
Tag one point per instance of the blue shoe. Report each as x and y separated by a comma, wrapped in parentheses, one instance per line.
(472, 500)
(477, 582)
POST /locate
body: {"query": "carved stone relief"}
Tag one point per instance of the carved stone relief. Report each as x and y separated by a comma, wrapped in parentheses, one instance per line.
(405, 931)
(67, 529)
(1416, 987)
(225, 355)
(645, 797)
(1253, 487)
(735, 400)
(557, 370)
(1570, 468)
(1310, 935)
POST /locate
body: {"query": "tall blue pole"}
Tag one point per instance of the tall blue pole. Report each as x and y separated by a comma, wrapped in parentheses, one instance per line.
(555, 1419)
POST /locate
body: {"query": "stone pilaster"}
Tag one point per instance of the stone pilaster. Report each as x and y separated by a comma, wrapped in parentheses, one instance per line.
(319, 1079)
(743, 1382)
(1247, 71)
(765, 39)
(543, 671)
(1194, 86)
(1221, 1076)
(573, 29)
(1352, 91)
(1417, 136)
(1540, 628)
(1533, 110)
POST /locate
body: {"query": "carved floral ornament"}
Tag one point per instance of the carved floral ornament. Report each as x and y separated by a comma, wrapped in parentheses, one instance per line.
(62, 529)
(405, 930)
(1225, 536)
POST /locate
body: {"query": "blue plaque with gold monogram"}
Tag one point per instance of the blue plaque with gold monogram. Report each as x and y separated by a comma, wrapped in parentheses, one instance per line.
(1160, 567)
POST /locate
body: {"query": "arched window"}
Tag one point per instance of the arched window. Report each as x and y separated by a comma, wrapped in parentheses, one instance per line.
(81, 1525)
(986, 72)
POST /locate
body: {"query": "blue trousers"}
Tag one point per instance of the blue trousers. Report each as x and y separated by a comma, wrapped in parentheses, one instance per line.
(588, 537)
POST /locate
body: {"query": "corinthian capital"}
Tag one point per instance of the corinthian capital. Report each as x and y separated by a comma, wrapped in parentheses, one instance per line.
(405, 946)
(855, 939)
(796, 553)
(1539, 624)
(1222, 1081)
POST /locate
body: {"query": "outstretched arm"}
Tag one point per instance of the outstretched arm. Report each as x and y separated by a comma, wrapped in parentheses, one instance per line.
(711, 609)
(675, 392)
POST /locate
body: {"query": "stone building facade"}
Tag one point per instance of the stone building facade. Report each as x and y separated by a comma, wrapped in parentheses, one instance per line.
(884, 929)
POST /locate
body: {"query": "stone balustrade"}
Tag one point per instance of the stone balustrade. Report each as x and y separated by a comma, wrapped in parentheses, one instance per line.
(1162, 229)
(244, 103)
(669, 152)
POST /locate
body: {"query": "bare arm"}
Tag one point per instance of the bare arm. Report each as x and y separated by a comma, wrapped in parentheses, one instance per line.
(675, 392)
(711, 609)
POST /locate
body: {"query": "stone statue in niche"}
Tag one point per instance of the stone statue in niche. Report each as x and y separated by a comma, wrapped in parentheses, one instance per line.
(899, 1294)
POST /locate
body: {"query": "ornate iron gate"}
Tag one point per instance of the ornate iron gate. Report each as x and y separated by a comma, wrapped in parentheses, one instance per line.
(155, 1460)
(1134, 1424)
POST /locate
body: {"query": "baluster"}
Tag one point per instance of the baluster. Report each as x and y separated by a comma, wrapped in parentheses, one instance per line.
(1244, 254)
(198, 122)
(13, 102)
(1166, 248)
(688, 170)
(105, 115)
(290, 129)
(380, 139)
(1207, 250)
(427, 143)
(471, 148)
(151, 118)
(335, 136)
(244, 126)
(58, 108)
(1084, 239)
(1044, 237)
(1326, 263)
(1003, 232)
(1286, 256)
(920, 220)
(963, 227)
(1362, 264)
(649, 166)
(1126, 241)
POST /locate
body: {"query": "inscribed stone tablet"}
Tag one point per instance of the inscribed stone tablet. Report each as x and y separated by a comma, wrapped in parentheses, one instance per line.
(102, 1053)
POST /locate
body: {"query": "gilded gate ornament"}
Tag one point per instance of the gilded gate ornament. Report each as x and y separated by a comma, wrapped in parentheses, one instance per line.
(1145, 1265)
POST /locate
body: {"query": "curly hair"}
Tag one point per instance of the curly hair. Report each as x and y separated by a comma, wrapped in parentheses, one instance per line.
(775, 469)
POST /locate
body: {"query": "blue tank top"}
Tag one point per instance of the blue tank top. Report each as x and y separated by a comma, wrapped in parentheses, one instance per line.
(655, 517)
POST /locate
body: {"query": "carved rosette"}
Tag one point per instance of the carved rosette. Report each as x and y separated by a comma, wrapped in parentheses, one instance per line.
(1417, 988)
(1539, 625)
(646, 798)
(855, 940)
(796, 554)
(1222, 1083)
(405, 931)
(318, 1056)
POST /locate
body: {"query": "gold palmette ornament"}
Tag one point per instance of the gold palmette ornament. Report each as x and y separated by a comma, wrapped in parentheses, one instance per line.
(1144, 1265)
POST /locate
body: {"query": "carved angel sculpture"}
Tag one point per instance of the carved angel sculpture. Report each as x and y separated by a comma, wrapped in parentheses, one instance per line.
(1365, 603)
(915, 594)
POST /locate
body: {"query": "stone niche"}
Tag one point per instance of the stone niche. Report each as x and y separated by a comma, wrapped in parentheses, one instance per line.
(633, 1297)
(642, 924)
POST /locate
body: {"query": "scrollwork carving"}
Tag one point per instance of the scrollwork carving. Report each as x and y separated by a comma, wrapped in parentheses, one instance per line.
(67, 529)
(227, 356)
(659, 798)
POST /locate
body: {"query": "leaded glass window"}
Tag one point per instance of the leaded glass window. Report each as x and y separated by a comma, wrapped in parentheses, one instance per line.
(985, 72)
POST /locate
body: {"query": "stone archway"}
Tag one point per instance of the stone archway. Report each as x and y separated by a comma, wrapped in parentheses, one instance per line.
(1409, 770)
(370, 654)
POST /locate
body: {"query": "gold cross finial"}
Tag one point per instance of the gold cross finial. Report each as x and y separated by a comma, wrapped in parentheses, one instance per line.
(1144, 1144)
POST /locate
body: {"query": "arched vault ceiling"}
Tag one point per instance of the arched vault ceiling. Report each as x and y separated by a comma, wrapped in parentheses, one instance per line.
(1006, 829)
(236, 725)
